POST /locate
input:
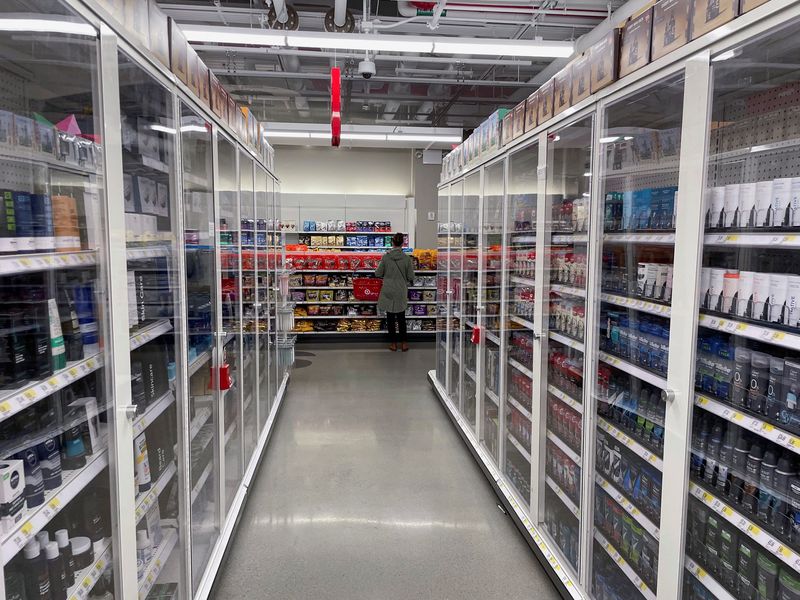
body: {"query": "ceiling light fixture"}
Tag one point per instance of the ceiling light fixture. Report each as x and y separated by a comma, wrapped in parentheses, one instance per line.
(609, 140)
(529, 48)
(359, 42)
(48, 26)
(378, 137)
(450, 139)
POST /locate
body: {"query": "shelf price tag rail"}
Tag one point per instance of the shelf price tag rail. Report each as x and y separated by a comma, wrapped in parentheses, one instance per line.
(631, 444)
(640, 304)
(624, 566)
(86, 579)
(521, 368)
(629, 506)
(562, 495)
(160, 557)
(760, 333)
(564, 447)
(565, 398)
(146, 500)
(631, 369)
(750, 529)
(518, 445)
(522, 410)
(711, 584)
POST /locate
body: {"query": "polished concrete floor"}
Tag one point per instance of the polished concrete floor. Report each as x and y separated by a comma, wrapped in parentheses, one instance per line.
(367, 491)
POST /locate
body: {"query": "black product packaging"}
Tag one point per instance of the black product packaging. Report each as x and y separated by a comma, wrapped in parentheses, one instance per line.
(759, 381)
(790, 391)
(153, 293)
(741, 377)
(161, 442)
(153, 360)
(41, 365)
(753, 471)
(712, 542)
(93, 521)
(49, 454)
(728, 546)
(15, 361)
(8, 223)
(774, 408)
(70, 327)
(34, 482)
(794, 496)
(767, 577)
(698, 517)
(747, 568)
(137, 386)
(15, 586)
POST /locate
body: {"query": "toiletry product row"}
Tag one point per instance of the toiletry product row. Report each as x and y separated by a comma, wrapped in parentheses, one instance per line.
(770, 204)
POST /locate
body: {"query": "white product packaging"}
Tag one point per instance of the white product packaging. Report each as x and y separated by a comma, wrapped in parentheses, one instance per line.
(731, 206)
(764, 211)
(793, 301)
(716, 207)
(668, 287)
(641, 278)
(705, 281)
(730, 286)
(660, 290)
(747, 205)
(781, 202)
(778, 290)
(761, 282)
(142, 475)
(651, 274)
(715, 289)
(794, 202)
(744, 296)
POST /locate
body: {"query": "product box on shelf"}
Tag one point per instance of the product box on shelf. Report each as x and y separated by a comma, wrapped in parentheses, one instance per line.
(707, 15)
(508, 128)
(546, 101)
(747, 5)
(159, 33)
(581, 77)
(202, 83)
(671, 19)
(178, 52)
(193, 68)
(232, 110)
(605, 61)
(635, 45)
(519, 120)
(562, 90)
(531, 111)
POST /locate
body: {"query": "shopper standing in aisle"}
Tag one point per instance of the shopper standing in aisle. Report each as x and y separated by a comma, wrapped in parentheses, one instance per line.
(397, 272)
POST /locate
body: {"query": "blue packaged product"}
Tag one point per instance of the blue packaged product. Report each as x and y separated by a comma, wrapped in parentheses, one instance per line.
(627, 217)
(23, 214)
(49, 455)
(44, 235)
(642, 209)
(34, 481)
(84, 307)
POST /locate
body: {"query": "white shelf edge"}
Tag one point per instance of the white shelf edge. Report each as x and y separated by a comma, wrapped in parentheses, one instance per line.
(86, 579)
(746, 526)
(562, 495)
(631, 444)
(520, 321)
(471, 374)
(753, 239)
(518, 445)
(626, 504)
(229, 433)
(520, 367)
(493, 397)
(157, 561)
(569, 238)
(566, 340)
(150, 333)
(639, 304)
(562, 445)
(34, 520)
(631, 369)
(761, 333)
(749, 422)
(560, 288)
(565, 398)
(199, 361)
(711, 584)
(199, 420)
(624, 566)
(13, 264)
(152, 412)
(492, 337)
(522, 410)
(201, 481)
(523, 280)
(641, 238)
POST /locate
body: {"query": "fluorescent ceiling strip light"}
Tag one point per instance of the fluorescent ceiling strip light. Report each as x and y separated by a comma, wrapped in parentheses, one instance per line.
(359, 42)
(533, 48)
(424, 138)
(235, 35)
(47, 26)
(288, 134)
(379, 137)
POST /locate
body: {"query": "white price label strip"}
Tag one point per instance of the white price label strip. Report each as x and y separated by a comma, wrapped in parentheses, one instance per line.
(624, 566)
(754, 424)
(525, 454)
(568, 400)
(754, 332)
(567, 341)
(562, 445)
(9, 265)
(643, 238)
(632, 444)
(623, 501)
(637, 304)
(152, 332)
(521, 368)
(567, 289)
(632, 369)
(522, 410)
(562, 496)
(784, 553)
(160, 556)
(708, 582)
(765, 240)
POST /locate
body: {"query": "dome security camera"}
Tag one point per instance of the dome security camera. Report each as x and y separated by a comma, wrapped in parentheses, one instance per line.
(366, 68)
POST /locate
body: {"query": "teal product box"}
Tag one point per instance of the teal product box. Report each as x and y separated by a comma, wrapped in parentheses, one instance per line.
(642, 209)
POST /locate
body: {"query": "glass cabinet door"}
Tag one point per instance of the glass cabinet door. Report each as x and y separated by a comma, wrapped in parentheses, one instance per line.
(228, 228)
(743, 522)
(275, 262)
(491, 273)
(57, 409)
(260, 304)
(148, 161)
(248, 376)
(443, 292)
(469, 295)
(455, 279)
(519, 283)
(567, 208)
(201, 329)
(639, 158)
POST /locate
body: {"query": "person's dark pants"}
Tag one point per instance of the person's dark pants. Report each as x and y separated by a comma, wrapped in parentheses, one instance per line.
(392, 322)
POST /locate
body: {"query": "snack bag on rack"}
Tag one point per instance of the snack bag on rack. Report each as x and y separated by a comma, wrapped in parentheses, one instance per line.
(329, 262)
(313, 262)
(321, 280)
(295, 279)
(342, 262)
(429, 295)
(340, 296)
(298, 296)
(326, 296)
(313, 310)
(312, 295)
(308, 280)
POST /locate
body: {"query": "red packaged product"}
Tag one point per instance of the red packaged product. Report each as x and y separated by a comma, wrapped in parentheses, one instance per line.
(343, 262)
(314, 262)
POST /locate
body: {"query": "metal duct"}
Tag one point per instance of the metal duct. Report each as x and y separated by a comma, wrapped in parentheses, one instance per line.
(291, 64)
(339, 12)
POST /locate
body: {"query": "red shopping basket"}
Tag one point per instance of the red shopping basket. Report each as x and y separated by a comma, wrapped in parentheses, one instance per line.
(367, 288)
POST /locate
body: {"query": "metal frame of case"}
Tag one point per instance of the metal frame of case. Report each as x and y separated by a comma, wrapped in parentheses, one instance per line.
(109, 42)
(693, 62)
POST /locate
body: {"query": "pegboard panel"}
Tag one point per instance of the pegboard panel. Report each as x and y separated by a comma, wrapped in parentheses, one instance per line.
(20, 175)
(13, 93)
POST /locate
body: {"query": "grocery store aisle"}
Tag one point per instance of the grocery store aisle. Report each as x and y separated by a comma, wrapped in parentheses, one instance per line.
(367, 491)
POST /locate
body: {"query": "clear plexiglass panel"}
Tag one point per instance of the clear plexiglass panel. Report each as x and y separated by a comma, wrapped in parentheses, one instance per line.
(638, 164)
(148, 160)
(260, 305)
(468, 314)
(231, 285)
(56, 407)
(247, 375)
(490, 245)
(567, 208)
(455, 255)
(743, 522)
(201, 328)
(442, 294)
(519, 273)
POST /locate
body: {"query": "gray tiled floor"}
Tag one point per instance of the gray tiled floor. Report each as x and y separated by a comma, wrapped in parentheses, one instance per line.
(367, 491)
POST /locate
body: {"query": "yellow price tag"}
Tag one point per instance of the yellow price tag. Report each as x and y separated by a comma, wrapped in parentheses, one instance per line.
(754, 529)
(779, 335)
(741, 327)
(701, 572)
(55, 503)
(73, 372)
(5, 407)
(785, 551)
(29, 394)
(52, 382)
(767, 427)
(738, 416)
(26, 528)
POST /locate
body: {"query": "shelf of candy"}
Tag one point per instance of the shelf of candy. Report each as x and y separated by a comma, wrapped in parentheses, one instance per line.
(348, 241)
(756, 379)
(640, 340)
(562, 525)
(644, 213)
(631, 406)
(565, 371)
(338, 225)
(566, 424)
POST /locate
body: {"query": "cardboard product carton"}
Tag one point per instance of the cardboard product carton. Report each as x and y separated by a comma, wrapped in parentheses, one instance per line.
(159, 33)
(581, 77)
(178, 52)
(750, 5)
(546, 101)
(232, 112)
(671, 20)
(202, 83)
(508, 128)
(218, 103)
(519, 119)
(604, 61)
(707, 15)
(562, 97)
(137, 20)
(194, 71)
(531, 111)
(634, 50)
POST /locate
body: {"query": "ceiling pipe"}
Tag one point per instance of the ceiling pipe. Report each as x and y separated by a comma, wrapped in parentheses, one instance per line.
(281, 14)
(382, 78)
(407, 9)
(339, 12)
(291, 66)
